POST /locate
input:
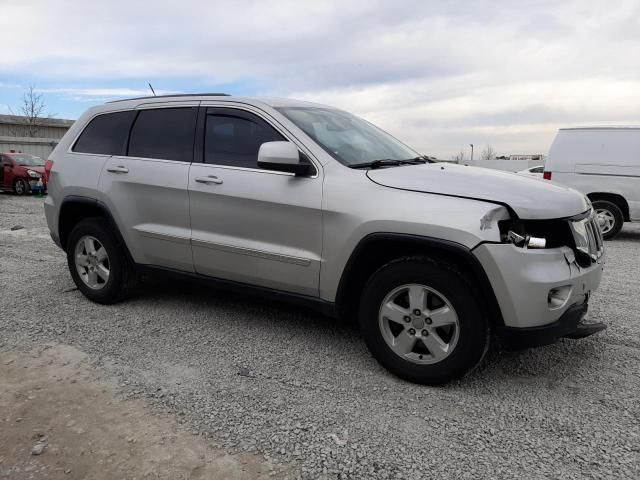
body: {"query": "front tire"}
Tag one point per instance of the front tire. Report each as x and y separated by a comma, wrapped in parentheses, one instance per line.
(609, 217)
(422, 321)
(20, 187)
(97, 262)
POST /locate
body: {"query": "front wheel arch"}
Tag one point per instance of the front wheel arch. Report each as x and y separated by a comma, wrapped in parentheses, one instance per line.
(378, 249)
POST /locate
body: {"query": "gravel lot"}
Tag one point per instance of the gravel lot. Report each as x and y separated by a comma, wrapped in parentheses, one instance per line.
(257, 377)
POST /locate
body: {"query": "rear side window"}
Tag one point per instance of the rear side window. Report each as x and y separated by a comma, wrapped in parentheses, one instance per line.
(105, 134)
(235, 139)
(165, 133)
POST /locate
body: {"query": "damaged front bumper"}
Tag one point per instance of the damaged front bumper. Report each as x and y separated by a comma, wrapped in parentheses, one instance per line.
(542, 293)
(571, 324)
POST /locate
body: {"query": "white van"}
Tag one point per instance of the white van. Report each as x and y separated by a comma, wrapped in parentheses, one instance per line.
(603, 163)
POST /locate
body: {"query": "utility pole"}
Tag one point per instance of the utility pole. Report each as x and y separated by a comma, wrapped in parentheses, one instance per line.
(471, 145)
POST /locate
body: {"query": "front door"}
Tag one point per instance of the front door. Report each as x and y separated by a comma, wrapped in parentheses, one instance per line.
(3, 165)
(147, 188)
(248, 224)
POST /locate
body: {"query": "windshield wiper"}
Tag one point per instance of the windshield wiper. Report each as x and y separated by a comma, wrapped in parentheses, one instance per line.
(389, 162)
(383, 162)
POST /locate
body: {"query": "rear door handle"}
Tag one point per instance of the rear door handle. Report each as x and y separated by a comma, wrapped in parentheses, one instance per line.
(118, 169)
(209, 179)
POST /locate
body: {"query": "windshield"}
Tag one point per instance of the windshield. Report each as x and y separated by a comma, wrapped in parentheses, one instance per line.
(28, 160)
(347, 138)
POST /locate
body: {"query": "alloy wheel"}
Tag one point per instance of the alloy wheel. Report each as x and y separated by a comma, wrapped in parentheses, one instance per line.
(606, 220)
(419, 324)
(92, 262)
(20, 187)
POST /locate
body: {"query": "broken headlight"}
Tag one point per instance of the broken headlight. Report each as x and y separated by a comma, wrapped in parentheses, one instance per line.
(536, 233)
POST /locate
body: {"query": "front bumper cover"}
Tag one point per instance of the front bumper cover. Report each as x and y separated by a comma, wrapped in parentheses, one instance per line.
(570, 325)
(522, 280)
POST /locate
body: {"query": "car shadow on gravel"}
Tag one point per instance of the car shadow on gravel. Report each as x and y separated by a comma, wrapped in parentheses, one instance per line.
(239, 301)
(563, 360)
(625, 235)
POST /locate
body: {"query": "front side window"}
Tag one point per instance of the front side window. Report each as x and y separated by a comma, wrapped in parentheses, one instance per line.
(347, 138)
(235, 138)
(106, 134)
(164, 133)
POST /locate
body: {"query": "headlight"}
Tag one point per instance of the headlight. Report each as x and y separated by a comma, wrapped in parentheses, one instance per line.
(526, 240)
(537, 233)
(33, 174)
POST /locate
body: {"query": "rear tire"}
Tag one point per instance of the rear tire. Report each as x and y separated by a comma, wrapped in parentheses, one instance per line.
(97, 262)
(610, 218)
(447, 297)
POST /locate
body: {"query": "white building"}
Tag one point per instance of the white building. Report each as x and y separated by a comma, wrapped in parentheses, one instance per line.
(37, 139)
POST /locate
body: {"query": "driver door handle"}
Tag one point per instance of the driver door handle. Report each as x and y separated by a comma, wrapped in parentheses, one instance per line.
(118, 169)
(209, 179)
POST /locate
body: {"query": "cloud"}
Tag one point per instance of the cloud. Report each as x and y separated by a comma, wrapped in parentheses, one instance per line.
(439, 75)
(104, 92)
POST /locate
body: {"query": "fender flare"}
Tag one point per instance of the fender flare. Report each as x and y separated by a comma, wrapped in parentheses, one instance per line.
(94, 205)
(462, 254)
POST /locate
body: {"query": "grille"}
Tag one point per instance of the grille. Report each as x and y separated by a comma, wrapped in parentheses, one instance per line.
(588, 238)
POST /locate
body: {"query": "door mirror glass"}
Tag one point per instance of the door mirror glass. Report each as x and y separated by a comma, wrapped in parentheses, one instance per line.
(282, 157)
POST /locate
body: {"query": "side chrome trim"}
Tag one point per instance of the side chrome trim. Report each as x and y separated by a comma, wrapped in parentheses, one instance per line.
(277, 257)
(247, 169)
(162, 236)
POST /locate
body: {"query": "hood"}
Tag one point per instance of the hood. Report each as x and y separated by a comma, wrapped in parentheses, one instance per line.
(530, 198)
(40, 170)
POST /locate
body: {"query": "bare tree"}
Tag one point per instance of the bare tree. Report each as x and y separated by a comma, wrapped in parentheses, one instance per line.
(488, 153)
(459, 157)
(29, 113)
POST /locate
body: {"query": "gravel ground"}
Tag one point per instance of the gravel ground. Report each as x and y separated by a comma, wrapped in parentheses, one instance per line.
(301, 389)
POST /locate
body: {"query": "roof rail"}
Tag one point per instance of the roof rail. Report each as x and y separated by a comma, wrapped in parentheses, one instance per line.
(174, 95)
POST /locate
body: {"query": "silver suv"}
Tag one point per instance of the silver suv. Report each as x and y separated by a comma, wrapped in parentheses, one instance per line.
(311, 203)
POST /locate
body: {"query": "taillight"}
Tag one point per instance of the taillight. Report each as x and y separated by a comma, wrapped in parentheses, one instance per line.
(546, 175)
(48, 165)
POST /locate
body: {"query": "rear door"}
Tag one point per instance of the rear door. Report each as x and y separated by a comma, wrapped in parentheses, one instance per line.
(146, 188)
(249, 224)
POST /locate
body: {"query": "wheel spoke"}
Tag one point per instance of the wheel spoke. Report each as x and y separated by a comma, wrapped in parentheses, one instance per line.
(102, 272)
(442, 317)
(417, 297)
(403, 343)
(394, 312)
(92, 278)
(436, 346)
(101, 254)
(89, 246)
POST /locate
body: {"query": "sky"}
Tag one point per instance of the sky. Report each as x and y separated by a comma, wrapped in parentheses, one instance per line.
(439, 75)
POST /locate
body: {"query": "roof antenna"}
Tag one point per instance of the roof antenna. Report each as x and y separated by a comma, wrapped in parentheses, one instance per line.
(152, 90)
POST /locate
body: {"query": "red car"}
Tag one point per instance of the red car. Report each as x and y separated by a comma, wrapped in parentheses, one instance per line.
(22, 173)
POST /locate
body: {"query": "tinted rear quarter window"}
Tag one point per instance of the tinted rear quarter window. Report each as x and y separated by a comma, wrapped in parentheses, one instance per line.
(165, 133)
(235, 140)
(106, 134)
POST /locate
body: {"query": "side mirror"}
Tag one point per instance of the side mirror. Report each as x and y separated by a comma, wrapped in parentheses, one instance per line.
(283, 157)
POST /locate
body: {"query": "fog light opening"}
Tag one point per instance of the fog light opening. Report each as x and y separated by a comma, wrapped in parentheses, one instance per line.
(558, 296)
